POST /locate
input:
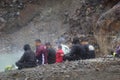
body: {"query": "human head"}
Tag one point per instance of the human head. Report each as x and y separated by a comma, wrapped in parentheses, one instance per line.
(27, 47)
(76, 40)
(84, 41)
(37, 42)
(48, 44)
(59, 47)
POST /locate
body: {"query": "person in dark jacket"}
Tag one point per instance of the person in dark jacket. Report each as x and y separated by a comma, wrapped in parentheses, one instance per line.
(90, 50)
(41, 52)
(28, 59)
(77, 51)
(85, 55)
(51, 53)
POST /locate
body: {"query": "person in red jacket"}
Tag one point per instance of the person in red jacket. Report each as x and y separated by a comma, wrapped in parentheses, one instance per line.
(59, 55)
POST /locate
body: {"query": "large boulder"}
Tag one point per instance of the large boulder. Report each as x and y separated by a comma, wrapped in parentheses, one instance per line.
(110, 20)
(108, 25)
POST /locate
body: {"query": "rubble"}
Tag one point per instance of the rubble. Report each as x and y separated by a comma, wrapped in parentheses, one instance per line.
(94, 69)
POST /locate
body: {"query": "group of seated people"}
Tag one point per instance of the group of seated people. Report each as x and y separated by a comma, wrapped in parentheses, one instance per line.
(46, 54)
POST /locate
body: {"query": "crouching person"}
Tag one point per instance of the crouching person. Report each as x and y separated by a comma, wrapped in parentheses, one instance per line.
(28, 59)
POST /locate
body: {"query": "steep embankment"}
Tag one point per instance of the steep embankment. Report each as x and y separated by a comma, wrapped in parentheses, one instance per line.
(96, 69)
(22, 21)
(26, 21)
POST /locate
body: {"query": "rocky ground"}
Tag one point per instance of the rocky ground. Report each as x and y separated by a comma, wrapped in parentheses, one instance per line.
(94, 69)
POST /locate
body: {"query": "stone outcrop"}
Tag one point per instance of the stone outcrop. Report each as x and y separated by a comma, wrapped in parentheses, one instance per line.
(99, 21)
(108, 26)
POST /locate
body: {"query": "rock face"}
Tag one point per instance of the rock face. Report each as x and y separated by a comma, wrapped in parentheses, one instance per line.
(109, 25)
(110, 20)
(23, 21)
(96, 69)
(34, 20)
(98, 21)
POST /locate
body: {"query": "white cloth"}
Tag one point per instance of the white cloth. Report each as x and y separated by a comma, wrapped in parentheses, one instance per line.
(91, 48)
(65, 49)
(43, 59)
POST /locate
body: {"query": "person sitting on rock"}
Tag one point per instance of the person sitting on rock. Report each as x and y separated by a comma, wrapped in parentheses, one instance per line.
(77, 51)
(90, 50)
(41, 52)
(28, 59)
(59, 55)
(51, 53)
